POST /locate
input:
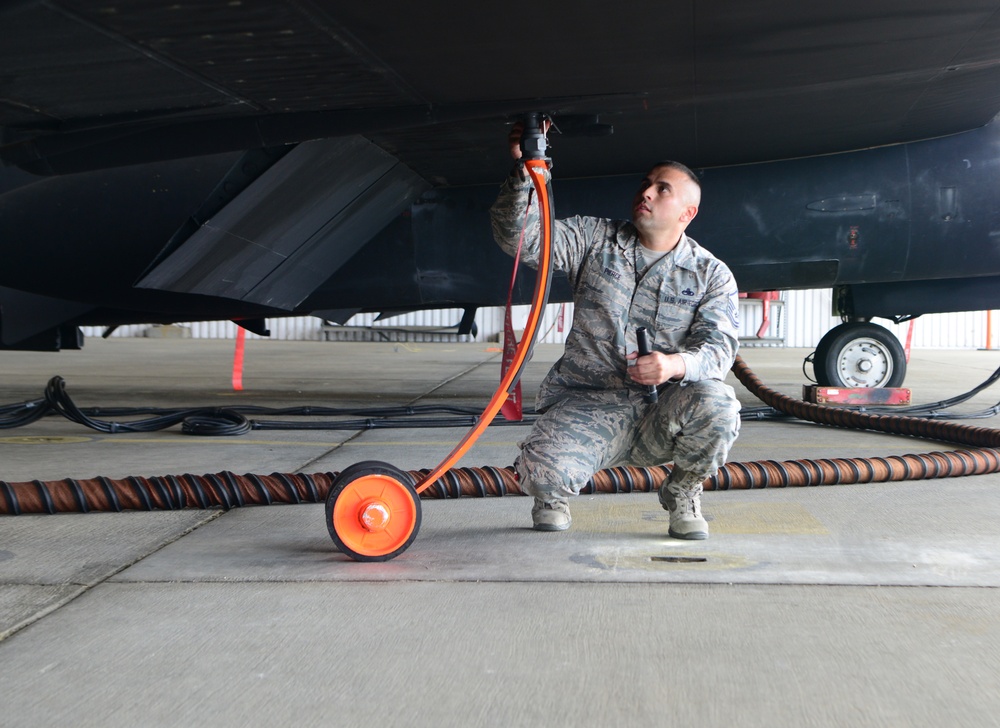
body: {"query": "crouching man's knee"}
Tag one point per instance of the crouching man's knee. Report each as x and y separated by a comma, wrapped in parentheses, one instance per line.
(549, 475)
(711, 423)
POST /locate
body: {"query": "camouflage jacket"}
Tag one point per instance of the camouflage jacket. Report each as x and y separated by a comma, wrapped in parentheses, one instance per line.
(688, 300)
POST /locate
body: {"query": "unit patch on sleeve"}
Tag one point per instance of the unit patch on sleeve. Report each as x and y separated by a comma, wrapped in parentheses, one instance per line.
(733, 310)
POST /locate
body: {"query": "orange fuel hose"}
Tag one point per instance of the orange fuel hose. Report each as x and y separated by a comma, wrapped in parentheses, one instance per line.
(538, 172)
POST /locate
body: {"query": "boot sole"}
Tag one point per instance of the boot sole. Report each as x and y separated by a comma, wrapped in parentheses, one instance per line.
(693, 536)
(551, 527)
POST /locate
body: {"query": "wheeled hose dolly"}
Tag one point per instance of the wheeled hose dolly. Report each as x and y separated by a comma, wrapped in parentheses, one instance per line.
(373, 508)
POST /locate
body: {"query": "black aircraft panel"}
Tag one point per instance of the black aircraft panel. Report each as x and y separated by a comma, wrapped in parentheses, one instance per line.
(956, 213)
(843, 144)
(710, 83)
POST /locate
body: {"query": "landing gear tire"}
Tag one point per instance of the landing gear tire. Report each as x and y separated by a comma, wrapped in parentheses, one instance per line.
(373, 511)
(859, 355)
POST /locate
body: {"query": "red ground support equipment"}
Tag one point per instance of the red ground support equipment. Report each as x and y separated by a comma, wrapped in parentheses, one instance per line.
(856, 395)
(765, 298)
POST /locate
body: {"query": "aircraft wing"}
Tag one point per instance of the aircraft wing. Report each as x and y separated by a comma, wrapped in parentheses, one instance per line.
(87, 84)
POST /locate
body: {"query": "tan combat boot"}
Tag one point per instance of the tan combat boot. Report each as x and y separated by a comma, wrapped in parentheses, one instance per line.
(684, 505)
(551, 515)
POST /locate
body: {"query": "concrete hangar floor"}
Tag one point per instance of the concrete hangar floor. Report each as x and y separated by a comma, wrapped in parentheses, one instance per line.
(861, 605)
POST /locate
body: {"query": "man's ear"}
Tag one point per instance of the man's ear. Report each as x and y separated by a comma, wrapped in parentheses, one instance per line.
(689, 214)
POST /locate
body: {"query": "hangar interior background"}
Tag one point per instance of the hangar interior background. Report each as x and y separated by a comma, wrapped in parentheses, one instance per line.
(798, 319)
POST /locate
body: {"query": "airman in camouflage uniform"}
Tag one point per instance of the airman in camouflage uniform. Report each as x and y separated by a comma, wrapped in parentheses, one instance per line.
(593, 412)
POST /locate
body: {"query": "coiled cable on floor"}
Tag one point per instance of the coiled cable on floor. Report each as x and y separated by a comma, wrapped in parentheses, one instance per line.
(228, 421)
(201, 421)
(22, 413)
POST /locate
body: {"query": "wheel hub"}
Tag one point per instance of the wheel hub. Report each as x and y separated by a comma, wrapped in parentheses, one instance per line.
(865, 364)
(374, 515)
(372, 511)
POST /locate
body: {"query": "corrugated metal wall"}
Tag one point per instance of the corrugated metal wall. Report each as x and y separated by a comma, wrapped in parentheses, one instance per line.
(799, 319)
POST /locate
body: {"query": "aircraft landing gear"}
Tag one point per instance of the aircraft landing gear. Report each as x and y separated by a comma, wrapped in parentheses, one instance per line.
(859, 355)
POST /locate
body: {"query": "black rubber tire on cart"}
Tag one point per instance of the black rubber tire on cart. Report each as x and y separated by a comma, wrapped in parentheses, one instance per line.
(373, 511)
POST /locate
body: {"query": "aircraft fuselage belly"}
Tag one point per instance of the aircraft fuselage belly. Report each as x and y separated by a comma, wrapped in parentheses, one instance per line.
(907, 213)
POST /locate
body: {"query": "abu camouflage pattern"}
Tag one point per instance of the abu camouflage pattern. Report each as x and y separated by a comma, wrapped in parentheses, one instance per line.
(688, 302)
(693, 426)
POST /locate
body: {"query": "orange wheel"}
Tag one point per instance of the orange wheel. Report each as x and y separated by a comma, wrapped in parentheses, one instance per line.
(373, 511)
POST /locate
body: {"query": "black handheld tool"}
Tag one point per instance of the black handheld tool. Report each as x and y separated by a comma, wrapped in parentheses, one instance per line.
(642, 339)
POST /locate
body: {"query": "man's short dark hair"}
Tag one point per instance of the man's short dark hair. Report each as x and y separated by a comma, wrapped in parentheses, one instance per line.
(680, 168)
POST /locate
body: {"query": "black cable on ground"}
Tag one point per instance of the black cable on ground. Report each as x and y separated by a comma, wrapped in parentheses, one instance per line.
(226, 421)
(228, 490)
(229, 421)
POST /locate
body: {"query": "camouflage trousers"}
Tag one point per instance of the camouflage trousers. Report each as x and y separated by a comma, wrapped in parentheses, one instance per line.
(693, 425)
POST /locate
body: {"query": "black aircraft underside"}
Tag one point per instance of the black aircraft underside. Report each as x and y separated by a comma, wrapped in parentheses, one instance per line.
(169, 162)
